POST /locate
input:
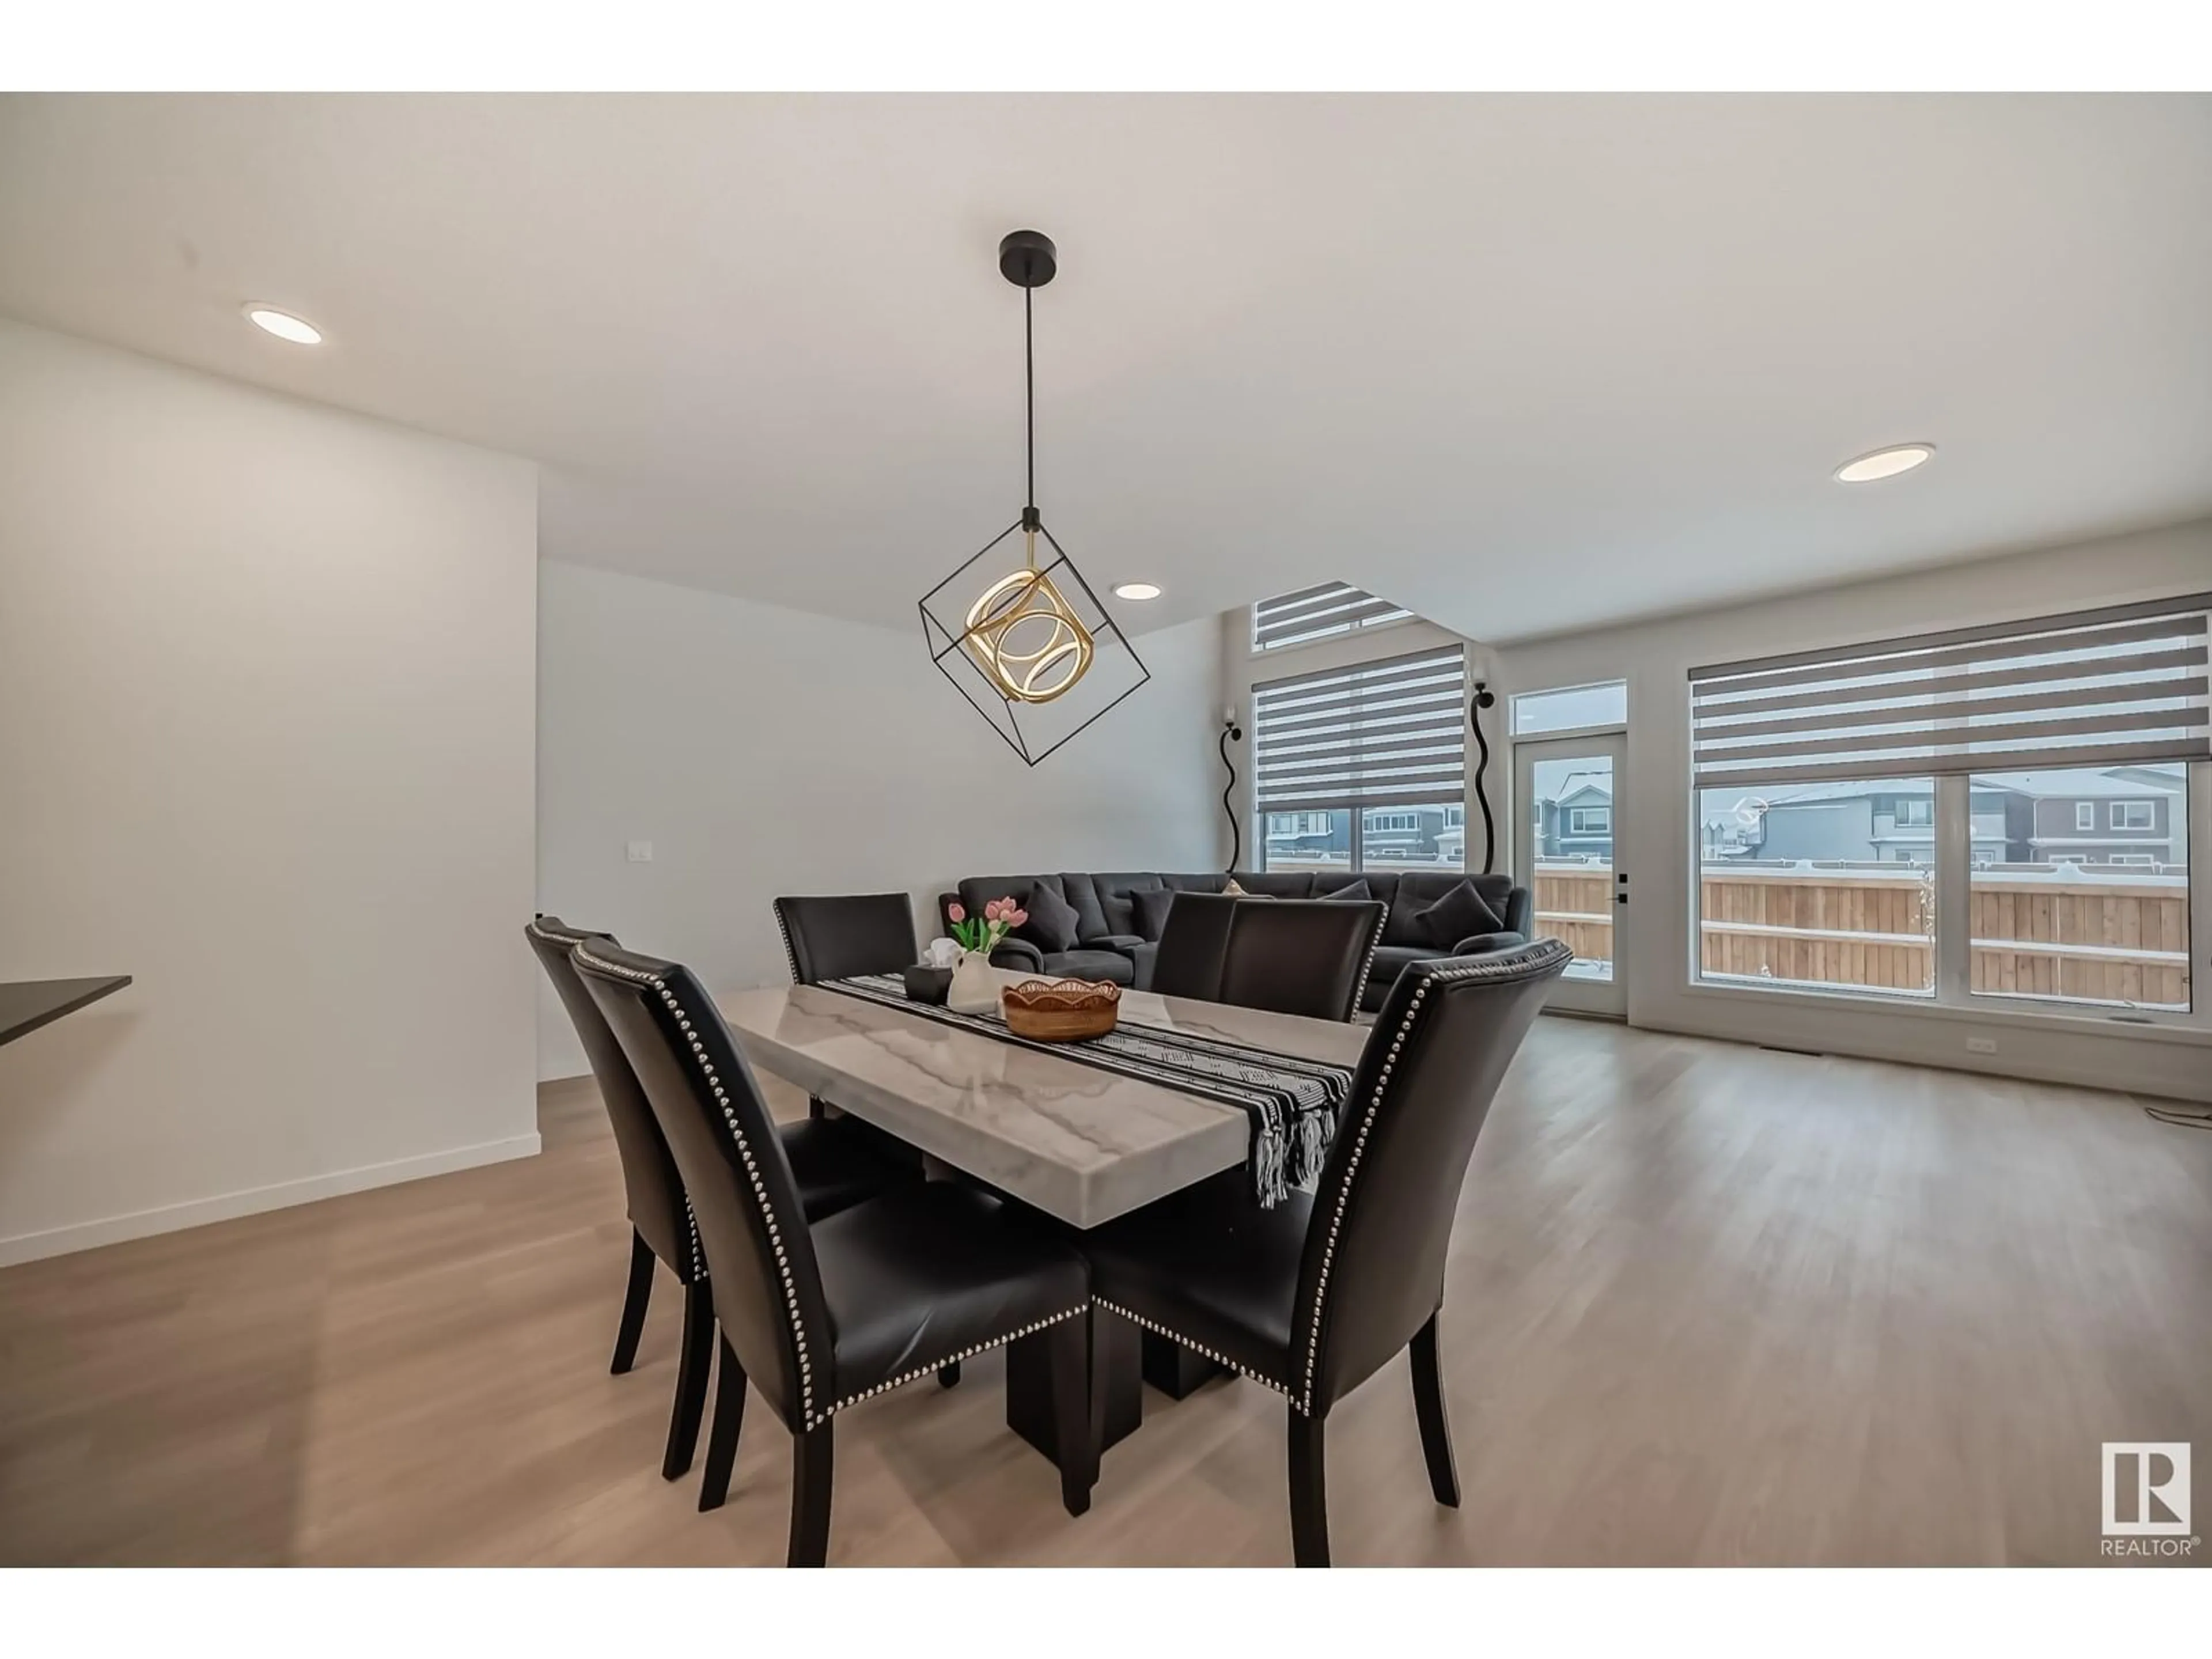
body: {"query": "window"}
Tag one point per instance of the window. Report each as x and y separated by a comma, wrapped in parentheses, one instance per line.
(2068, 923)
(1820, 865)
(1589, 821)
(1318, 613)
(1570, 709)
(1307, 840)
(1377, 752)
(1799, 887)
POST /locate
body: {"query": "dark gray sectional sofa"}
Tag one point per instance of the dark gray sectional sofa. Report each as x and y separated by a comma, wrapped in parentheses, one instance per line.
(1111, 943)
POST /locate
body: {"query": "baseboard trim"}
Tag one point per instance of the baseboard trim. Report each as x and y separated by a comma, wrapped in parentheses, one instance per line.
(227, 1207)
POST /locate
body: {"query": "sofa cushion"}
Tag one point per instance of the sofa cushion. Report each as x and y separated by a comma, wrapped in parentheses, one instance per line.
(1083, 893)
(1050, 920)
(1415, 891)
(1110, 966)
(1153, 909)
(1460, 914)
(1498, 893)
(1390, 961)
(1357, 892)
(1207, 883)
(1284, 884)
(976, 891)
(1117, 896)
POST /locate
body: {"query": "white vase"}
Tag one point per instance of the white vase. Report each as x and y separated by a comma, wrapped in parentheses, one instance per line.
(975, 988)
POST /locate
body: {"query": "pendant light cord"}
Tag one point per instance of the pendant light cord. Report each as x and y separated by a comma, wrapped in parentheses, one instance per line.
(1028, 371)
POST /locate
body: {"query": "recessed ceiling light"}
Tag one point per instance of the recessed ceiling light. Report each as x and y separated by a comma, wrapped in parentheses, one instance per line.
(1884, 463)
(284, 325)
(1136, 591)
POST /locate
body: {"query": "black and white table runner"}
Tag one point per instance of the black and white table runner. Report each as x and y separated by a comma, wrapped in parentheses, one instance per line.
(1293, 1104)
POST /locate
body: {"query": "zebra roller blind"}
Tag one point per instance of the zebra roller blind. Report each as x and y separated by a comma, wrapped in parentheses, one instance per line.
(1378, 734)
(1313, 613)
(2099, 688)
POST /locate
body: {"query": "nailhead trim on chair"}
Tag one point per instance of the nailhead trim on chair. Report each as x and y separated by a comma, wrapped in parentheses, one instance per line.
(936, 1365)
(637, 977)
(1195, 1347)
(790, 956)
(1360, 991)
(698, 1255)
(1506, 965)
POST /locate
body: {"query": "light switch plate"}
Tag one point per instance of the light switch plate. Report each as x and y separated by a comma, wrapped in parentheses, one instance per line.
(641, 851)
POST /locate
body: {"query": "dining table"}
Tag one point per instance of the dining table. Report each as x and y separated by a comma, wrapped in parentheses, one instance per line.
(1041, 1125)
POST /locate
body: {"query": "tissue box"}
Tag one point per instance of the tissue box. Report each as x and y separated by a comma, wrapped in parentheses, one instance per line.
(926, 984)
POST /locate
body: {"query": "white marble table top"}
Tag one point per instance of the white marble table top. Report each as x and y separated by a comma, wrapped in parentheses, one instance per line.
(1077, 1142)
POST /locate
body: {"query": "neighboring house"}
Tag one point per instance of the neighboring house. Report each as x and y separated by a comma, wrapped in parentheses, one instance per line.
(1578, 822)
(2130, 816)
(1323, 837)
(1390, 835)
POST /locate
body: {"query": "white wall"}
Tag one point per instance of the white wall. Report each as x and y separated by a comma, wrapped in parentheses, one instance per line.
(1654, 833)
(266, 744)
(763, 750)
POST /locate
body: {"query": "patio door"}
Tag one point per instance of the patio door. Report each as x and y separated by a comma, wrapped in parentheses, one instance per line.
(1569, 799)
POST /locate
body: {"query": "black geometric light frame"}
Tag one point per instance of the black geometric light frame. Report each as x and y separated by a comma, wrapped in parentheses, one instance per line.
(968, 619)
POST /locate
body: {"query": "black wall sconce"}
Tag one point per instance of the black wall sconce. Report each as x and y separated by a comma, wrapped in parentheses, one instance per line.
(1231, 732)
(1484, 698)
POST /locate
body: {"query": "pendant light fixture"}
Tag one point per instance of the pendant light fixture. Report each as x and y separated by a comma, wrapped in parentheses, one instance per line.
(1028, 644)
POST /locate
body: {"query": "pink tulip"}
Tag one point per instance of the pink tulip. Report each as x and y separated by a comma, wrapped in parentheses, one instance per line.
(1019, 917)
(956, 911)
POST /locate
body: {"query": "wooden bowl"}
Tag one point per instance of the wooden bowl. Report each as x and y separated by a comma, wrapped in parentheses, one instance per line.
(1061, 1010)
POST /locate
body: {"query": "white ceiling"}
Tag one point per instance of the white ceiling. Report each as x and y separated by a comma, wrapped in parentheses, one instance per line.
(1522, 362)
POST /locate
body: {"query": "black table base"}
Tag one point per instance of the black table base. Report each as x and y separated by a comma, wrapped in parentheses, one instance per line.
(1175, 1370)
(1117, 1390)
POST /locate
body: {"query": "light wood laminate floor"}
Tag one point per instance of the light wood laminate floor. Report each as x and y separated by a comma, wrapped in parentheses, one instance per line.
(1706, 1303)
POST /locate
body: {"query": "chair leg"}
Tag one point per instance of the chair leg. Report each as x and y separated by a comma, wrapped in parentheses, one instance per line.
(810, 1463)
(948, 1376)
(1429, 1409)
(815, 1109)
(696, 1360)
(1308, 1493)
(1069, 1347)
(729, 1419)
(633, 1303)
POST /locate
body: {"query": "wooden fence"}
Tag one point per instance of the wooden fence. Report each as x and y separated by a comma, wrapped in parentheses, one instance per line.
(2117, 939)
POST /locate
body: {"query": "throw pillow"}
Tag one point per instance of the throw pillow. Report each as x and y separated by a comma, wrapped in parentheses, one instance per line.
(1460, 914)
(1152, 906)
(1234, 890)
(1051, 926)
(1358, 892)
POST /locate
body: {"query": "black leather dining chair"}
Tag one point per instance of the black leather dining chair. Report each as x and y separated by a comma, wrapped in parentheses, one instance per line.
(836, 936)
(1307, 956)
(1193, 942)
(835, 1169)
(1315, 1295)
(821, 1318)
